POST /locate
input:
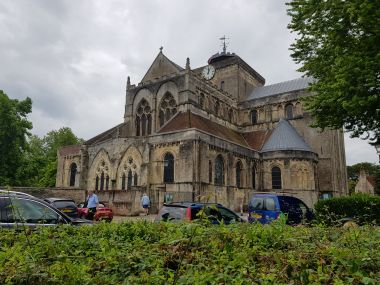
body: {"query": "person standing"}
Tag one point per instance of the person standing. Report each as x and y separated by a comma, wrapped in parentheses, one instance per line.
(92, 204)
(145, 203)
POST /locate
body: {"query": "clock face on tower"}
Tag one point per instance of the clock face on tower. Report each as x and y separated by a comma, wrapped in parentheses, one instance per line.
(208, 72)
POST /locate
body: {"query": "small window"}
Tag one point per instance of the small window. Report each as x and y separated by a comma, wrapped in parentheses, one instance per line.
(168, 168)
(238, 174)
(276, 178)
(135, 179)
(219, 170)
(289, 111)
(102, 181)
(129, 179)
(209, 171)
(123, 178)
(254, 117)
(73, 173)
(253, 178)
(222, 85)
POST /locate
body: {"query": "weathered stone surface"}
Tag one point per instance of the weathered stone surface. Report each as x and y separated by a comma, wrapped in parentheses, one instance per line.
(176, 111)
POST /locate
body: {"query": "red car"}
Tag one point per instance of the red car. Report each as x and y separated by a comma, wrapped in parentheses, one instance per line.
(102, 213)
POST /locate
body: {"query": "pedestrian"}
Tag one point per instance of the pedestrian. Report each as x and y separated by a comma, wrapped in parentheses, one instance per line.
(92, 204)
(145, 203)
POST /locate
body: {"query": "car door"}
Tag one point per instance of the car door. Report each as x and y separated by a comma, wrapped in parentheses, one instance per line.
(22, 211)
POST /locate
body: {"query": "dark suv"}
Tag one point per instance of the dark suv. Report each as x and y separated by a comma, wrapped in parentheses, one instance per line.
(265, 208)
(188, 211)
(66, 206)
(21, 209)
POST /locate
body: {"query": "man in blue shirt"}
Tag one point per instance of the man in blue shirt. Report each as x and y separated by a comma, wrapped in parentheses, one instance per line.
(92, 204)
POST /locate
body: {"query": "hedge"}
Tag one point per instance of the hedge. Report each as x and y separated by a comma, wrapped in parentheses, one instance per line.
(151, 253)
(364, 209)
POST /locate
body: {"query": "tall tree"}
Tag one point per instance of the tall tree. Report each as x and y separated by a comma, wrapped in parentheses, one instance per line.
(14, 128)
(338, 44)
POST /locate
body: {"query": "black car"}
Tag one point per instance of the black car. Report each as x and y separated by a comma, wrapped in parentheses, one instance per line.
(189, 211)
(65, 205)
(21, 209)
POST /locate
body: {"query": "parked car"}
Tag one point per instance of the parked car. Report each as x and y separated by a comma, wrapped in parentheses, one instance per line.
(66, 206)
(102, 213)
(20, 209)
(265, 208)
(188, 211)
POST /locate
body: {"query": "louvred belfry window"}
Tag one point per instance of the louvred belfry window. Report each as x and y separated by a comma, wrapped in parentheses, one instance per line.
(168, 108)
(143, 119)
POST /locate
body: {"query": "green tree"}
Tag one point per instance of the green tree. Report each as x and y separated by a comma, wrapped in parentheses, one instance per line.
(14, 129)
(338, 44)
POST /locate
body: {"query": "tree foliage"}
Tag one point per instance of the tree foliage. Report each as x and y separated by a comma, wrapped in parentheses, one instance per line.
(338, 44)
(14, 129)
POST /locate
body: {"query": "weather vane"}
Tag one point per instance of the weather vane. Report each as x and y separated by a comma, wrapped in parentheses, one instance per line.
(224, 44)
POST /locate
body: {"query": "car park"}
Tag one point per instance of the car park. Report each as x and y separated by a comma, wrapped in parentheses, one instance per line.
(190, 211)
(267, 207)
(103, 213)
(19, 209)
(66, 206)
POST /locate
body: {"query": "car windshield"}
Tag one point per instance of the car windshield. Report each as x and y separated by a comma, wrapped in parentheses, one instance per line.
(64, 204)
(263, 203)
(171, 213)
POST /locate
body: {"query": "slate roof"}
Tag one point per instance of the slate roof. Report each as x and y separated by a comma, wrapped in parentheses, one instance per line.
(280, 88)
(285, 137)
(188, 120)
(119, 131)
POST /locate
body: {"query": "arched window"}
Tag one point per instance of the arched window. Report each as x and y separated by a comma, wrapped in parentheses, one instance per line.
(209, 171)
(254, 116)
(135, 179)
(219, 170)
(168, 168)
(289, 111)
(123, 178)
(97, 183)
(73, 173)
(276, 178)
(168, 108)
(253, 178)
(222, 85)
(129, 179)
(238, 174)
(143, 119)
(102, 181)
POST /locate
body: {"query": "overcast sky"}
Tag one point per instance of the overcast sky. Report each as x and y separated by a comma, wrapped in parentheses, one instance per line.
(72, 58)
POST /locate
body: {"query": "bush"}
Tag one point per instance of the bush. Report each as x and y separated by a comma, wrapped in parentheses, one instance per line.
(362, 208)
(150, 253)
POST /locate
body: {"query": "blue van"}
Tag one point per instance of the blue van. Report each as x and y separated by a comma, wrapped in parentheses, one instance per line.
(265, 208)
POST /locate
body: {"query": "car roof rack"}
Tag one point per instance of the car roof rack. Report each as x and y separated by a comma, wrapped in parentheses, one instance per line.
(15, 193)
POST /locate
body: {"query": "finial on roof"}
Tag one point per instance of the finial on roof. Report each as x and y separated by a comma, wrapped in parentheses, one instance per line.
(161, 48)
(128, 82)
(224, 44)
(188, 63)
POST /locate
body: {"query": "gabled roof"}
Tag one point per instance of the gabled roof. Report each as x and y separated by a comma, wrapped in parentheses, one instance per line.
(161, 66)
(285, 137)
(280, 88)
(188, 120)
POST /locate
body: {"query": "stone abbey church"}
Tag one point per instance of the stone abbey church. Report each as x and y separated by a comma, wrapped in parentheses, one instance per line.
(214, 132)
